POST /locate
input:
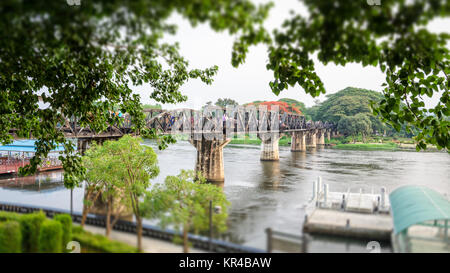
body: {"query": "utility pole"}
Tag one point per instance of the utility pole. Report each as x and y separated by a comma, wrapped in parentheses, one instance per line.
(210, 225)
(71, 202)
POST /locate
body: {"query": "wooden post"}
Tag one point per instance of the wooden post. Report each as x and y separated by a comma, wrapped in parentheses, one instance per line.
(319, 186)
(304, 243)
(269, 240)
(446, 229)
(314, 197)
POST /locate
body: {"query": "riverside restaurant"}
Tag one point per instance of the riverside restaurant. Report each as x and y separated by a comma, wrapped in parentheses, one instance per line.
(18, 153)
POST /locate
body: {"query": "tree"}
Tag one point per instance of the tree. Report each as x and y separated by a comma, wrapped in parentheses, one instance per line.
(94, 179)
(130, 166)
(349, 102)
(183, 201)
(363, 125)
(347, 127)
(283, 106)
(295, 103)
(150, 106)
(103, 183)
(225, 102)
(352, 101)
(355, 125)
(391, 36)
(81, 60)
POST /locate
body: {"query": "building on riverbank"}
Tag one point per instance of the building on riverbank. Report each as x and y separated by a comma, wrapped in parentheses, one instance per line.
(421, 219)
(18, 154)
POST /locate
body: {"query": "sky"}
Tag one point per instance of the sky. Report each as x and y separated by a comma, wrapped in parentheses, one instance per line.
(204, 48)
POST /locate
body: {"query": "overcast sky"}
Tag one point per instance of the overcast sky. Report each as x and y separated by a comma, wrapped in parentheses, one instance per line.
(205, 48)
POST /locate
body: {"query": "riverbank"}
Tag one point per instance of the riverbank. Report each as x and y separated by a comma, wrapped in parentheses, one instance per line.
(382, 147)
(367, 146)
(284, 141)
(149, 245)
(341, 143)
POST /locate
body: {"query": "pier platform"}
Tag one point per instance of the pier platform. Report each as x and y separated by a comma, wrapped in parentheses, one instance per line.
(349, 224)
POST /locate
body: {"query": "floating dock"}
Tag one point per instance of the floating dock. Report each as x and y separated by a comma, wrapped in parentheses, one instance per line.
(349, 224)
(357, 215)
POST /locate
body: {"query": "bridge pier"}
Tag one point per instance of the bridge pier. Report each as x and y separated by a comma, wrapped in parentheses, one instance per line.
(298, 141)
(210, 158)
(99, 206)
(320, 137)
(270, 147)
(83, 145)
(311, 139)
(328, 134)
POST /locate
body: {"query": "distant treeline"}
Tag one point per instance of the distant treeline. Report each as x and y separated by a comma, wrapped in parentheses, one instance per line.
(350, 110)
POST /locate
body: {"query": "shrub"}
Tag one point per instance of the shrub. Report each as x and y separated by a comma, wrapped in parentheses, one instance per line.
(6, 215)
(100, 242)
(10, 237)
(30, 225)
(66, 222)
(50, 237)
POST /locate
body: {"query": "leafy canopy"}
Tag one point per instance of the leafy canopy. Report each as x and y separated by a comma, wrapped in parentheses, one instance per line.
(392, 36)
(83, 60)
(183, 201)
(225, 102)
(129, 165)
(102, 177)
(355, 125)
(348, 102)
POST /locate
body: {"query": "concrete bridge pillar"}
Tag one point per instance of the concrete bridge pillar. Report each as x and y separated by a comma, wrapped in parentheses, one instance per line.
(210, 158)
(333, 133)
(99, 206)
(82, 145)
(328, 134)
(311, 138)
(298, 141)
(270, 148)
(320, 137)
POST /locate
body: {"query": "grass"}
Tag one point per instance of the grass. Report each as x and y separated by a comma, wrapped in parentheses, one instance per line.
(367, 146)
(284, 141)
(99, 243)
(88, 241)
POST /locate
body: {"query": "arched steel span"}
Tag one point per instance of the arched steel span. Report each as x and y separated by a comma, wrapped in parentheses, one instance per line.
(192, 121)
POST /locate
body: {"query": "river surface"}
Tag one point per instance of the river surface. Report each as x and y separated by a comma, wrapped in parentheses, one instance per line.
(271, 194)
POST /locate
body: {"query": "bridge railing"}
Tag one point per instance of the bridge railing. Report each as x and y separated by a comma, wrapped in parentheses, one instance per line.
(257, 121)
(225, 121)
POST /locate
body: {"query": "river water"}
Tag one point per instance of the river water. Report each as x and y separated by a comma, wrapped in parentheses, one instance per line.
(271, 194)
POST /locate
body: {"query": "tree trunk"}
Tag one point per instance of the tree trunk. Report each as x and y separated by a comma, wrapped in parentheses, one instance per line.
(139, 233)
(108, 218)
(83, 218)
(185, 240)
(85, 209)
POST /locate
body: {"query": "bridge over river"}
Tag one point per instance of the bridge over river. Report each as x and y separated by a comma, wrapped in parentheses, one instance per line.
(211, 129)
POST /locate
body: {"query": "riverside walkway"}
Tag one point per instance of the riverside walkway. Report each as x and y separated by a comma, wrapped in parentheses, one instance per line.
(155, 234)
(149, 245)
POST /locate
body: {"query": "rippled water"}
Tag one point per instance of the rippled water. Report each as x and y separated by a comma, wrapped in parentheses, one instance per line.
(273, 194)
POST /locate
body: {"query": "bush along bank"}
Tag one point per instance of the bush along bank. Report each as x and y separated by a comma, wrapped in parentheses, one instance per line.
(35, 233)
